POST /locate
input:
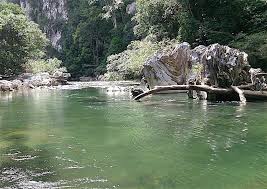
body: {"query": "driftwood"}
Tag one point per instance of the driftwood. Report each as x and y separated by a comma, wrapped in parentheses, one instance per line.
(248, 86)
(235, 90)
(240, 93)
(260, 74)
(185, 87)
(255, 95)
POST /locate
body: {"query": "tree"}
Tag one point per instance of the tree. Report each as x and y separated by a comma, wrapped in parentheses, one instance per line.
(238, 23)
(20, 39)
(89, 38)
(111, 6)
(158, 17)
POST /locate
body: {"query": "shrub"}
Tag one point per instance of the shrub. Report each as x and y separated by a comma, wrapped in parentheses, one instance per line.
(40, 65)
(256, 46)
(129, 63)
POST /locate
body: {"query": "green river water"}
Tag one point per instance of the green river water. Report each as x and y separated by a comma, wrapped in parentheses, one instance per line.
(91, 139)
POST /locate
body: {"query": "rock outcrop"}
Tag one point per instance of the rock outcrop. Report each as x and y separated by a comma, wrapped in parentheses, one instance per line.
(215, 65)
(30, 81)
(49, 14)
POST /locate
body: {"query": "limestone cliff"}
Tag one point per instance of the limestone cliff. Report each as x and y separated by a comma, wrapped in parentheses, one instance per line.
(49, 14)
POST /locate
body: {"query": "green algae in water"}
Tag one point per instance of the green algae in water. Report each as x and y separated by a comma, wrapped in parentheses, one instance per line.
(89, 139)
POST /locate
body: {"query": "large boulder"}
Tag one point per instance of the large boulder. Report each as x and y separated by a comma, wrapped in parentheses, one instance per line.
(60, 77)
(6, 85)
(17, 84)
(168, 68)
(29, 80)
(40, 79)
(216, 65)
(58, 74)
(10, 85)
(24, 76)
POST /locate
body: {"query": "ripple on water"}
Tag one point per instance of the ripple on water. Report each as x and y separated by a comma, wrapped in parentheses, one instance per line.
(19, 178)
(17, 155)
(158, 143)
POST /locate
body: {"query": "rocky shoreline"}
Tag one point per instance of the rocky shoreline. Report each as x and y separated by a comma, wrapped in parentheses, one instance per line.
(31, 81)
(59, 81)
(215, 72)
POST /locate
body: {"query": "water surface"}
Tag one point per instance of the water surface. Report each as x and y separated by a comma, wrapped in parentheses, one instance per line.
(92, 139)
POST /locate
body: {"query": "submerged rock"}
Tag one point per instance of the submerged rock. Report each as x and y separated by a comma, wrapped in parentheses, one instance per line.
(120, 89)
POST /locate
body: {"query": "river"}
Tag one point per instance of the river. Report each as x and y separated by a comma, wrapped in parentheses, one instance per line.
(89, 138)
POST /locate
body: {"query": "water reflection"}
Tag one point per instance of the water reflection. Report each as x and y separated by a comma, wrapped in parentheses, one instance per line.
(23, 129)
(90, 139)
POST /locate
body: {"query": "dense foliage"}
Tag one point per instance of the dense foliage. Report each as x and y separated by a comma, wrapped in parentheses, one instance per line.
(95, 30)
(98, 31)
(124, 33)
(20, 39)
(129, 63)
(238, 23)
(41, 65)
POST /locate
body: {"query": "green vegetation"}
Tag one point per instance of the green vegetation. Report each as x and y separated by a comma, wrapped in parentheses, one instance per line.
(20, 40)
(41, 65)
(128, 64)
(23, 45)
(119, 35)
(239, 23)
(99, 32)
(95, 30)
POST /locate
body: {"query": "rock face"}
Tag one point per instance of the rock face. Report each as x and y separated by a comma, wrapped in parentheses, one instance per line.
(50, 14)
(168, 68)
(216, 65)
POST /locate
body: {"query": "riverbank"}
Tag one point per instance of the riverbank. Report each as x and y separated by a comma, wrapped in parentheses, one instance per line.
(27, 81)
(108, 86)
(100, 84)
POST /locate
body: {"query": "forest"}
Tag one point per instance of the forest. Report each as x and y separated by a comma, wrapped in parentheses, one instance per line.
(101, 32)
(116, 37)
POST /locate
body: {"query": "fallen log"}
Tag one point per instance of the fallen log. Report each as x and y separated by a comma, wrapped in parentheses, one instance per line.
(255, 95)
(205, 88)
(240, 93)
(260, 74)
(229, 92)
(248, 86)
(161, 89)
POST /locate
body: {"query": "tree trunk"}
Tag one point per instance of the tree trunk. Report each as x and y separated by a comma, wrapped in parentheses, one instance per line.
(240, 93)
(219, 93)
